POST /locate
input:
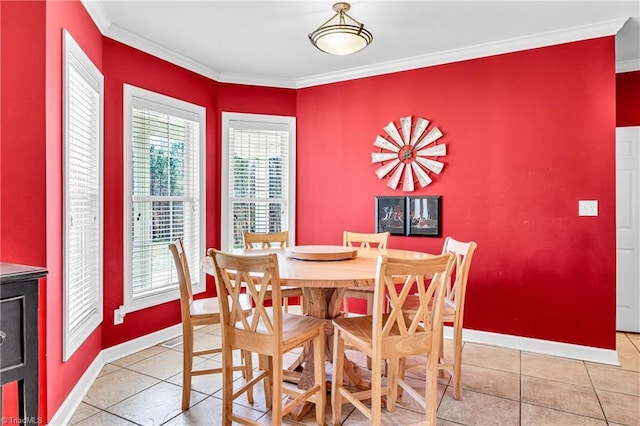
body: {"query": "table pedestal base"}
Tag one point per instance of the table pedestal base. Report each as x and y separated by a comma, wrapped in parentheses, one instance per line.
(321, 303)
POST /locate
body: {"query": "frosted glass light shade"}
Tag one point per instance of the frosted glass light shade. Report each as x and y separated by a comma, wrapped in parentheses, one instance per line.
(341, 38)
(341, 42)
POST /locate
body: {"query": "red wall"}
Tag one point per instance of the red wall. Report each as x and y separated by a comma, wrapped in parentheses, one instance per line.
(62, 376)
(628, 99)
(22, 154)
(249, 100)
(22, 198)
(123, 64)
(31, 169)
(528, 134)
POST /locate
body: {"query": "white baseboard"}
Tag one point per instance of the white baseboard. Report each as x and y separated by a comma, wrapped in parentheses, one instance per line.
(72, 402)
(545, 347)
(132, 346)
(68, 408)
(567, 350)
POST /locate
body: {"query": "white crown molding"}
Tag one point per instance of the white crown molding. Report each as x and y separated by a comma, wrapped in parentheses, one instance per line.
(544, 347)
(108, 29)
(161, 52)
(584, 32)
(98, 14)
(257, 80)
(550, 38)
(627, 66)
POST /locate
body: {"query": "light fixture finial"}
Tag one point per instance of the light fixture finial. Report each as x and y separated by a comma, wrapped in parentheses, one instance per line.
(341, 38)
(341, 7)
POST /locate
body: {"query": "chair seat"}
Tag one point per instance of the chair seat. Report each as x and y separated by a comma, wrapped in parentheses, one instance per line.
(287, 291)
(294, 326)
(360, 327)
(211, 307)
(412, 303)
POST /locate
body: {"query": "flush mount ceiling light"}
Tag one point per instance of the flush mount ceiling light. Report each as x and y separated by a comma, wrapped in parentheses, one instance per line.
(341, 37)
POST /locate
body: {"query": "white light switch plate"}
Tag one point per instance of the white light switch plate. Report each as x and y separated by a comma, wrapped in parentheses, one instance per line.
(588, 208)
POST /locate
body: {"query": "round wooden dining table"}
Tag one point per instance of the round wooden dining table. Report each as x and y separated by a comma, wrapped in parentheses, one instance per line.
(324, 284)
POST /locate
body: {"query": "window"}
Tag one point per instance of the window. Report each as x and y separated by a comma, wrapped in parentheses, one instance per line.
(83, 94)
(258, 176)
(164, 155)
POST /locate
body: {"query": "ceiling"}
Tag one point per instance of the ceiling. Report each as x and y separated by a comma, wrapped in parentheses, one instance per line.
(265, 42)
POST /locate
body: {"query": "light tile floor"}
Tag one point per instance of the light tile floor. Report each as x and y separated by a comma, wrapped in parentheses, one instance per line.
(501, 387)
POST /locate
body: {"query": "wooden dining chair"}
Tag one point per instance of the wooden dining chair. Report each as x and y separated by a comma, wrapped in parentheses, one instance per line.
(455, 295)
(256, 241)
(394, 336)
(356, 239)
(259, 240)
(196, 313)
(269, 332)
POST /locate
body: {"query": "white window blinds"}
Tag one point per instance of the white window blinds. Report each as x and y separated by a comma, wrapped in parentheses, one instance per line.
(164, 155)
(83, 100)
(259, 165)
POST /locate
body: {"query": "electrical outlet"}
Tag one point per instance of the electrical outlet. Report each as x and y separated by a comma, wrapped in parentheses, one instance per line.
(119, 314)
(588, 208)
(118, 318)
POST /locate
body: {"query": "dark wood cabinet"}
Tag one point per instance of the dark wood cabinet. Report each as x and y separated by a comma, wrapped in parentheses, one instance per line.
(19, 335)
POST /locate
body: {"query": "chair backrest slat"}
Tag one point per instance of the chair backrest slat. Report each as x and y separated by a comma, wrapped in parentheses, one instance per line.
(457, 285)
(184, 278)
(429, 275)
(260, 276)
(254, 240)
(355, 239)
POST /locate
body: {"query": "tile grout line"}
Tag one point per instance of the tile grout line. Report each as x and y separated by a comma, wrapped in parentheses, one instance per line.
(593, 386)
(265, 415)
(632, 342)
(520, 391)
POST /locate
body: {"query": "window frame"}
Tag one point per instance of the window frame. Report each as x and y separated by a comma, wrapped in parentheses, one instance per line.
(226, 225)
(133, 95)
(74, 57)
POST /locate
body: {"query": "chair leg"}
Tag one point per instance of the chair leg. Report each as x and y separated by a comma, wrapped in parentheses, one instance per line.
(227, 384)
(276, 384)
(369, 298)
(243, 361)
(320, 375)
(457, 362)
(265, 364)
(442, 360)
(285, 304)
(402, 366)
(369, 301)
(336, 382)
(392, 379)
(376, 391)
(431, 389)
(187, 366)
(247, 372)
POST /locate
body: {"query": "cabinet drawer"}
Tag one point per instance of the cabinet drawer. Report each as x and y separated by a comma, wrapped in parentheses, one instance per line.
(12, 325)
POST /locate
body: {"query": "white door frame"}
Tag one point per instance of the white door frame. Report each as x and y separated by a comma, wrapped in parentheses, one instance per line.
(628, 229)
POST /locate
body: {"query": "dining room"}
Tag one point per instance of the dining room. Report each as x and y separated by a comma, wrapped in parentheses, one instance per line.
(520, 136)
